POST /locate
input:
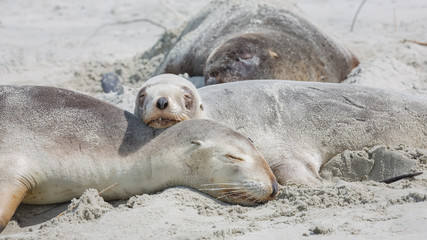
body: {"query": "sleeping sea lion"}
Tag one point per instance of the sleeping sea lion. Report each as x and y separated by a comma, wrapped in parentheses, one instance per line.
(55, 143)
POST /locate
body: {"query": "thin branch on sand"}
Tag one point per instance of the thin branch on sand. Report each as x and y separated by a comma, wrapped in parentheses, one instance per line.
(355, 15)
(177, 14)
(108, 188)
(415, 41)
(122, 23)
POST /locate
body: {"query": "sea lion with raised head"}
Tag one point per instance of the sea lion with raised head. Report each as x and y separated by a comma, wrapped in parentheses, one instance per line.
(168, 99)
(241, 40)
(299, 126)
(56, 143)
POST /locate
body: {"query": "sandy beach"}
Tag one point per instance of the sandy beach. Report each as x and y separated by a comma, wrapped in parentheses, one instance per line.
(71, 44)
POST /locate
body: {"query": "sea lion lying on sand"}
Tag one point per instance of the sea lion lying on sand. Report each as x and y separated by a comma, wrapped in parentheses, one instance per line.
(241, 40)
(55, 143)
(298, 126)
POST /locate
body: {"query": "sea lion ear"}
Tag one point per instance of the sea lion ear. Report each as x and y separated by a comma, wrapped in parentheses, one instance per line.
(273, 54)
(197, 142)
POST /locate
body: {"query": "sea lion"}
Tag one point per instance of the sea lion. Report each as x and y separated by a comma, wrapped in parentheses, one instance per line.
(241, 40)
(299, 126)
(168, 99)
(55, 143)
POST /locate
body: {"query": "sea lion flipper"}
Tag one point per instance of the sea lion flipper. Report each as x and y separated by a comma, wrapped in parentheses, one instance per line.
(297, 168)
(11, 196)
(296, 174)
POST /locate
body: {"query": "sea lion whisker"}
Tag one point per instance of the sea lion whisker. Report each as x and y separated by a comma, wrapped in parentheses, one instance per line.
(238, 191)
(234, 194)
(238, 196)
(216, 189)
(253, 199)
(214, 184)
(229, 195)
(222, 196)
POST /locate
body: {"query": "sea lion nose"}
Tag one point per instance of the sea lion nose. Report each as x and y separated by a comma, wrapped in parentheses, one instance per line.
(275, 188)
(162, 103)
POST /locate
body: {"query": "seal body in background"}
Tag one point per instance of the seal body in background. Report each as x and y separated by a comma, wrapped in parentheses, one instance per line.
(241, 40)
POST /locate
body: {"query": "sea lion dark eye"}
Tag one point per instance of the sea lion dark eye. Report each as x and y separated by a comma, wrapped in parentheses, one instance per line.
(245, 56)
(142, 94)
(187, 96)
(142, 97)
(234, 157)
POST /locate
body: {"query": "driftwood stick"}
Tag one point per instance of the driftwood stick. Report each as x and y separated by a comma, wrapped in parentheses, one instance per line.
(415, 41)
(125, 22)
(108, 188)
(397, 178)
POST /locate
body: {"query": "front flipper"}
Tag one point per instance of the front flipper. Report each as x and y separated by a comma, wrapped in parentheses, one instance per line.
(294, 165)
(296, 173)
(11, 195)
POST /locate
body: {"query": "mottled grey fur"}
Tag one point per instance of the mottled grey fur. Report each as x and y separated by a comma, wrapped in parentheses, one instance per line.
(290, 46)
(298, 126)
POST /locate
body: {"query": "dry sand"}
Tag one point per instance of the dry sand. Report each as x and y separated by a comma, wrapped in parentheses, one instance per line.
(71, 44)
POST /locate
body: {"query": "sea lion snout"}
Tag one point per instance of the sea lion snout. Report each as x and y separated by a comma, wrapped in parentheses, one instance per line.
(162, 103)
(275, 189)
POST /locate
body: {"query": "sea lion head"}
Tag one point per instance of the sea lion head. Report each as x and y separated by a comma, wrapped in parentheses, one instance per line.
(167, 99)
(245, 57)
(223, 163)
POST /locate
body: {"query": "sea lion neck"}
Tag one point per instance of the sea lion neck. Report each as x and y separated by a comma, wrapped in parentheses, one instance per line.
(136, 135)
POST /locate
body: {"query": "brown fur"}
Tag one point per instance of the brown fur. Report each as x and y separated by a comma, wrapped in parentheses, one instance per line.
(243, 40)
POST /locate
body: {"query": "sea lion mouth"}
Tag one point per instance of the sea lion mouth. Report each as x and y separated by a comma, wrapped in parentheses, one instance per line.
(162, 122)
(163, 119)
